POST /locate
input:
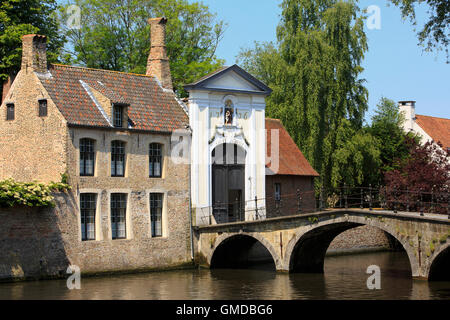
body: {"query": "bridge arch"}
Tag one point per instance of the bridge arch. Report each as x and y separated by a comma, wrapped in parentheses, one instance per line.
(439, 267)
(306, 251)
(226, 245)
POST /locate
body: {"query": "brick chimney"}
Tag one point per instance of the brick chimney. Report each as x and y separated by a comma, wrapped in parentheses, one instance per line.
(158, 63)
(34, 53)
(409, 110)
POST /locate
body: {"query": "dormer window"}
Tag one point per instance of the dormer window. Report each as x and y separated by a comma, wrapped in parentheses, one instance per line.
(118, 111)
(229, 112)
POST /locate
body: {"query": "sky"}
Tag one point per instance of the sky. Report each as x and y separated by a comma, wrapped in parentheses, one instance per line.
(395, 66)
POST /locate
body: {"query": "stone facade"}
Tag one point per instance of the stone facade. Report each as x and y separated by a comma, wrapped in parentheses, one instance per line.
(42, 243)
(31, 147)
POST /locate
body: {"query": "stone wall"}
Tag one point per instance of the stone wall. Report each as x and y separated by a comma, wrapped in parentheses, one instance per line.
(359, 239)
(31, 241)
(41, 243)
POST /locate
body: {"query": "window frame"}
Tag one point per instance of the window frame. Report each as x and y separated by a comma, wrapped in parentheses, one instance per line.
(277, 193)
(152, 157)
(115, 154)
(118, 212)
(84, 215)
(156, 211)
(41, 112)
(121, 108)
(10, 115)
(83, 159)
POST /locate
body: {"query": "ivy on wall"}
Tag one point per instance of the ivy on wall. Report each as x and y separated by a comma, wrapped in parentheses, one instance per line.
(32, 194)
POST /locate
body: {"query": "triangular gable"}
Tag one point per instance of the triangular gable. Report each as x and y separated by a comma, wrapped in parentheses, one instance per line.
(228, 79)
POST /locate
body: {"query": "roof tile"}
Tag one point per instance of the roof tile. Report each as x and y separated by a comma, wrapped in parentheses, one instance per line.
(437, 128)
(291, 159)
(150, 107)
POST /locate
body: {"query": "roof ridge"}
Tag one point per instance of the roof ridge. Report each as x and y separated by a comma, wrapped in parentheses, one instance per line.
(422, 115)
(103, 70)
(279, 120)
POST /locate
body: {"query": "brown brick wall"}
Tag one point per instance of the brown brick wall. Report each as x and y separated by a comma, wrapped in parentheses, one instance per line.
(289, 199)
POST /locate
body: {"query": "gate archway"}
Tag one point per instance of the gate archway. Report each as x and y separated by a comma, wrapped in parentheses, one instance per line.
(228, 183)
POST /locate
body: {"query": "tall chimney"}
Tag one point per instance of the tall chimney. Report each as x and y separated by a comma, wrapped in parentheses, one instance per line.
(158, 63)
(34, 53)
(409, 110)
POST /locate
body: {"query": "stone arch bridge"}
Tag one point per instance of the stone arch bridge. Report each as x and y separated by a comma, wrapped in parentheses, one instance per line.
(299, 243)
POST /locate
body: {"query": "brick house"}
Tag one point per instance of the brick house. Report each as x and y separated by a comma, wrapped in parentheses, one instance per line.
(111, 133)
(291, 187)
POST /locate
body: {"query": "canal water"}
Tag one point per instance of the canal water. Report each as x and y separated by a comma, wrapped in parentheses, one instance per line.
(344, 278)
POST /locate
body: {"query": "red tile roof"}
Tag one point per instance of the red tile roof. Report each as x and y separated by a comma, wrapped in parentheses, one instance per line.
(150, 107)
(291, 159)
(437, 128)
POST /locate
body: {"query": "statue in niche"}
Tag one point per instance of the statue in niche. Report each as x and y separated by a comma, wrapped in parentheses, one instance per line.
(228, 112)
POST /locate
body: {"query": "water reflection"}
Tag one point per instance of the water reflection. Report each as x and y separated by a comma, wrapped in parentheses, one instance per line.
(345, 278)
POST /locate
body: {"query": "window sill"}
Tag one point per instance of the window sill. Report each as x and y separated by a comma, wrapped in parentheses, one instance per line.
(161, 238)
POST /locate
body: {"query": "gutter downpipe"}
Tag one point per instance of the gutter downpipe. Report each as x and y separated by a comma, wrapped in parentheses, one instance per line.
(190, 202)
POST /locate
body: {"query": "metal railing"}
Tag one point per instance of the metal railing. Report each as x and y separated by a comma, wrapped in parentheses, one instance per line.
(371, 198)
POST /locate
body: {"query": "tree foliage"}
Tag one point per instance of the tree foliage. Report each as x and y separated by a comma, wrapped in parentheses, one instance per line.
(387, 127)
(425, 174)
(435, 34)
(115, 35)
(356, 161)
(315, 74)
(20, 17)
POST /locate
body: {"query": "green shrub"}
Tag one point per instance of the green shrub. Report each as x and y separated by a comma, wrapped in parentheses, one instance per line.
(32, 194)
(313, 220)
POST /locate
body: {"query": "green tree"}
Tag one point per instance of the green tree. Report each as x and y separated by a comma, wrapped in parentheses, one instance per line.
(115, 35)
(315, 73)
(20, 17)
(387, 128)
(435, 34)
(356, 161)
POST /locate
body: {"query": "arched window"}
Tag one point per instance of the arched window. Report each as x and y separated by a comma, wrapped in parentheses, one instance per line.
(155, 160)
(228, 112)
(87, 157)
(117, 158)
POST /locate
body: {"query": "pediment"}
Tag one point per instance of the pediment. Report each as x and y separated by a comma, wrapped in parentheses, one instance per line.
(232, 79)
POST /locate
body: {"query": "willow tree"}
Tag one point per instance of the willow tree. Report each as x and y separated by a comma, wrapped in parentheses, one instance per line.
(315, 73)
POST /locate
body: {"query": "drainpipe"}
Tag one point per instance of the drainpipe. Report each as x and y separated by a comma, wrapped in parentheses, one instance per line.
(190, 200)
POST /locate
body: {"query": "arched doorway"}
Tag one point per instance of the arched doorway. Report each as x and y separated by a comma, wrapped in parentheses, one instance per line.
(228, 183)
